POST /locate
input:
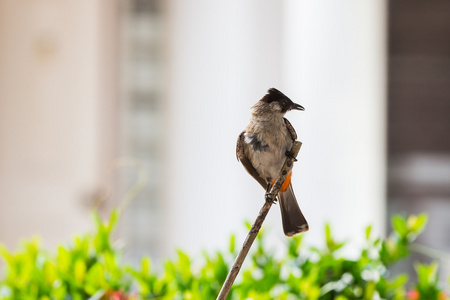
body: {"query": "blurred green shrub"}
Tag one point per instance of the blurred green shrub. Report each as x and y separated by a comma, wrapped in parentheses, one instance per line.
(91, 268)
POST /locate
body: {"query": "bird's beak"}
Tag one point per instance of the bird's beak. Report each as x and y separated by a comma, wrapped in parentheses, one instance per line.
(296, 106)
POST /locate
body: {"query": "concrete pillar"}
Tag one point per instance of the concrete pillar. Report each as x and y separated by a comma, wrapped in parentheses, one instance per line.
(56, 133)
(223, 57)
(334, 64)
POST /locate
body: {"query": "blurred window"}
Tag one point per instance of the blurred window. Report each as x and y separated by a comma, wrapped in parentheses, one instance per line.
(141, 124)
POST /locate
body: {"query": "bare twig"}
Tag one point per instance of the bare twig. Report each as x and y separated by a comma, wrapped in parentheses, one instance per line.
(285, 170)
(132, 192)
(430, 252)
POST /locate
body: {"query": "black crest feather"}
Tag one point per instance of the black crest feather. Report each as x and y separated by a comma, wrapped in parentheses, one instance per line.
(273, 95)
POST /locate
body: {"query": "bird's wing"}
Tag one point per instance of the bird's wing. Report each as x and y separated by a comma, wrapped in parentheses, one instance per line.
(291, 129)
(242, 157)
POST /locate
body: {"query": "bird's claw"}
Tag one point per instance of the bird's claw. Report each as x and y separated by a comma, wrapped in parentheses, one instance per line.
(290, 154)
(270, 199)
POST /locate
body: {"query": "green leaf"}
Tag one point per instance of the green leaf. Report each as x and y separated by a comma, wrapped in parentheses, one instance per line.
(369, 291)
(400, 281)
(64, 259)
(368, 231)
(79, 271)
(110, 263)
(294, 246)
(417, 223)
(114, 217)
(50, 273)
(248, 225)
(145, 266)
(232, 247)
(328, 239)
(95, 278)
(399, 225)
(7, 256)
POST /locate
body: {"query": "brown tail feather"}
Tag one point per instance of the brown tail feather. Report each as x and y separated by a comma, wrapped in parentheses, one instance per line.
(293, 220)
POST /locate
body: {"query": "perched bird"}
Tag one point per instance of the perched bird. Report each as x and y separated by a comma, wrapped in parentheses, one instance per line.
(263, 147)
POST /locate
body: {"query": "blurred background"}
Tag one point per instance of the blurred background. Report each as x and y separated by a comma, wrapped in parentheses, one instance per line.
(102, 99)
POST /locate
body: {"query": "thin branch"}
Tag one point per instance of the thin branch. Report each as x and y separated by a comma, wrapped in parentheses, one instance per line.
(139, 184)
(430, 252)
(285, 170)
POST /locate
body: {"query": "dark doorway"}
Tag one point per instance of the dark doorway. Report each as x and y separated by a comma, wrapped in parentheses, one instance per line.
(419, 118)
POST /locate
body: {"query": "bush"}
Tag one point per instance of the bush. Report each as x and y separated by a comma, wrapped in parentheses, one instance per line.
(91, 268)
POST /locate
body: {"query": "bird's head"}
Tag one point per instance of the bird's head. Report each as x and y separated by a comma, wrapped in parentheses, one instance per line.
(275, 102)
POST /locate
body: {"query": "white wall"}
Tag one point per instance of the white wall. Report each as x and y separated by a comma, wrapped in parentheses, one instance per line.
(224, 56)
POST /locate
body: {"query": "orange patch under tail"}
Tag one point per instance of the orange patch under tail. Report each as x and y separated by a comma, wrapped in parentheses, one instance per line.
(286, 183)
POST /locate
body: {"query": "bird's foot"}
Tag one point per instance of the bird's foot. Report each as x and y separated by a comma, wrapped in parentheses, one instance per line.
(270, 199)
(290, 154)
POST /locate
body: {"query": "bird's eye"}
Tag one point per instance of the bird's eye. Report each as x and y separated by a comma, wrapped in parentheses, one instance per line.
(284, 102)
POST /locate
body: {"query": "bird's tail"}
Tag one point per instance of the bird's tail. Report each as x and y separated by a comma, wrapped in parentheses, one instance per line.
(293, 220)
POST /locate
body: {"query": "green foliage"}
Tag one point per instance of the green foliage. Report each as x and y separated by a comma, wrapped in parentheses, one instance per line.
(91, 268)
(87, 269)
(405, 232)
(427, 281)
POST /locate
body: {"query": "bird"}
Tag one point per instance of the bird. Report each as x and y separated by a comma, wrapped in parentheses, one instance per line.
(263, 147)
